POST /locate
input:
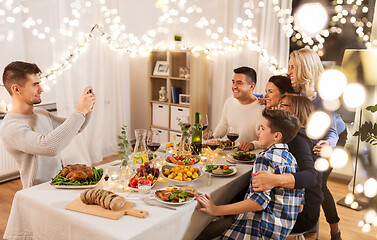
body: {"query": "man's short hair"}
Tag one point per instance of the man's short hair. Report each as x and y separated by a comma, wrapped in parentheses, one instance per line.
(251, 75)
(15, 73)
(282, 121)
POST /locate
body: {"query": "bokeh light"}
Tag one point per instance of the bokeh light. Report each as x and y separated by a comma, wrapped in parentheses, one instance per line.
(321, 164)
(331, 105)
(331, 84)
(349, 198)
(354, 205)
(318, 124)
(359, 188)
(311, 18)
(370, 188)
(339, 158)
(366, 228)
(354, 95)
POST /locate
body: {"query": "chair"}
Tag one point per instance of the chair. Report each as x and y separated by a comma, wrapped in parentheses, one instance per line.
(300, 236)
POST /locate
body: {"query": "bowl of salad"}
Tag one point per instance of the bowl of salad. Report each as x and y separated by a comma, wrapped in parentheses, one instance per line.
(183, 160)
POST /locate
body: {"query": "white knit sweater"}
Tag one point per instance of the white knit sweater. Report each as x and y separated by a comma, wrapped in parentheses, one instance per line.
(35, 141)
(246, 118)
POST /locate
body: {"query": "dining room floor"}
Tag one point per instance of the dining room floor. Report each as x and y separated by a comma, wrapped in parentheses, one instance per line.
(348, 223)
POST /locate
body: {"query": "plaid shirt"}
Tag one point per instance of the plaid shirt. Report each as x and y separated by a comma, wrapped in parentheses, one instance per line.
(280, 205)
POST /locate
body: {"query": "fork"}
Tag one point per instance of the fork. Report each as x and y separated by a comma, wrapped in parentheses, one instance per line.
(156, 204)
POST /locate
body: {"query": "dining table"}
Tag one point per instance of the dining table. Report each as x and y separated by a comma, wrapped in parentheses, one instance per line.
(39, 212)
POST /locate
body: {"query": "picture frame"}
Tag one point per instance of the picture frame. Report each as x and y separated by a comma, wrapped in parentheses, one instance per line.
(184, 99)
(161, 68)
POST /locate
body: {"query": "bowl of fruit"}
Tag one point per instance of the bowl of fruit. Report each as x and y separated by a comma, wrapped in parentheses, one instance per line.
(181, 175)
(183, 160)
(144, 172)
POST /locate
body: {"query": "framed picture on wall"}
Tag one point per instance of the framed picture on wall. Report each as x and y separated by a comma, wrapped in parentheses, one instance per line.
(161, 68)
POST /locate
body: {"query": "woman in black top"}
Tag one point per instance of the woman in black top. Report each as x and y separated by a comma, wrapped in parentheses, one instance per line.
(307, 177)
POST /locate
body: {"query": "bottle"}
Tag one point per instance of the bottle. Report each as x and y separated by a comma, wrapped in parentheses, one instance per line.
(196, 139)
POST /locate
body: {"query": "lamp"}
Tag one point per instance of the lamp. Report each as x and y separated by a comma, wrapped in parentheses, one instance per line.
(359, 66)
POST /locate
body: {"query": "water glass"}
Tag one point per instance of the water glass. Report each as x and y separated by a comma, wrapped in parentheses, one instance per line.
(144, 187)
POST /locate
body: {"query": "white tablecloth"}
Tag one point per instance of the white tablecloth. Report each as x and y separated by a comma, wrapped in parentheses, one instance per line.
(38, 213)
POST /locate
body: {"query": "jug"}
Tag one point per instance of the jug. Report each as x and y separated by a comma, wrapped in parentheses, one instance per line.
(140, 146)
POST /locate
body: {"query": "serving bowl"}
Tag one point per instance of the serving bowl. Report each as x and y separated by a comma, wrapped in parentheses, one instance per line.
(183, 171)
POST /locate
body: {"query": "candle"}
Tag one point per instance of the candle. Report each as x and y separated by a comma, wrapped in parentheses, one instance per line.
(3, 106)
(114, 177)
(9, 107)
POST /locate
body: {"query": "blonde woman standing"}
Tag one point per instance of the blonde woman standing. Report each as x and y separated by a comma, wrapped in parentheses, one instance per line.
(305, 68)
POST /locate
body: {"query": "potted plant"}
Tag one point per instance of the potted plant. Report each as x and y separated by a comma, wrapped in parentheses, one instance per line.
(368, 130)
(177, 37)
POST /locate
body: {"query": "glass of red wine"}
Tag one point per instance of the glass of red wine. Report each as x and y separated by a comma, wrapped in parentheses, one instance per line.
(204, 121)
(233, 135)
(213, 144)
(153, 141)
(186, 122)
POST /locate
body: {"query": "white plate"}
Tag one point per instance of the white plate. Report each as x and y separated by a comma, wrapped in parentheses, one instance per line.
(240, 161)
(74, 187)
(222, 175)
(172, 203)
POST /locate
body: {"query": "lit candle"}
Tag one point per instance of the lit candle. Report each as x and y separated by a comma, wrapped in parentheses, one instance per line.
(3, 106)
(114, 177)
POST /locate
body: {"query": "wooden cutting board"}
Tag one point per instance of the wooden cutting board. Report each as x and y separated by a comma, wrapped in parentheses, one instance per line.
(78, 206)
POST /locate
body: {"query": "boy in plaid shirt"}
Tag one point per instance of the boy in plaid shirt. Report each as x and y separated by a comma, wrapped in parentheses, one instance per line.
(270, 214)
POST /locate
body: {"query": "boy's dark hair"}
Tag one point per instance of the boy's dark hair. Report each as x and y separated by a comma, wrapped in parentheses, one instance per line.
(283, 83)
(15, 73)
(251, 75)
(282, 121)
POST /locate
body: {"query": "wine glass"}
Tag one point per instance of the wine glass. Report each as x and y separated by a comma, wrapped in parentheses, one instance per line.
(186, 122)
(153, 141)
(233, 135)
(213, 144)
(204, 121)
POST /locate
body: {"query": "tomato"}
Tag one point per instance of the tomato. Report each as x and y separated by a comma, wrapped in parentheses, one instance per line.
(191, 162)
(180, 163)
(225, 167)
(179, 158)
(190, 156)
(171, 159)
(133, 182)
(150, 180)
(174, 161)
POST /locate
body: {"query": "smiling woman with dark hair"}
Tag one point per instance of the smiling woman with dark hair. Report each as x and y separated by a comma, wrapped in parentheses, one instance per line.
(275, 88)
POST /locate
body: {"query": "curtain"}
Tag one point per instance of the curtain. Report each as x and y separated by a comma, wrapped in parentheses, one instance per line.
(112, 76)
(269, 32)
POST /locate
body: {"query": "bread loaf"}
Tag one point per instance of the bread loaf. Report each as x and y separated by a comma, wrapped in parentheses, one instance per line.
(103, 198)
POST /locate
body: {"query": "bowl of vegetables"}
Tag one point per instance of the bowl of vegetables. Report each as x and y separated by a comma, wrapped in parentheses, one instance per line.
(181, 175)
(183, 160)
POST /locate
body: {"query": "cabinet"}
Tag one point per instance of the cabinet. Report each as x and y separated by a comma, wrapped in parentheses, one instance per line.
(163, 115)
